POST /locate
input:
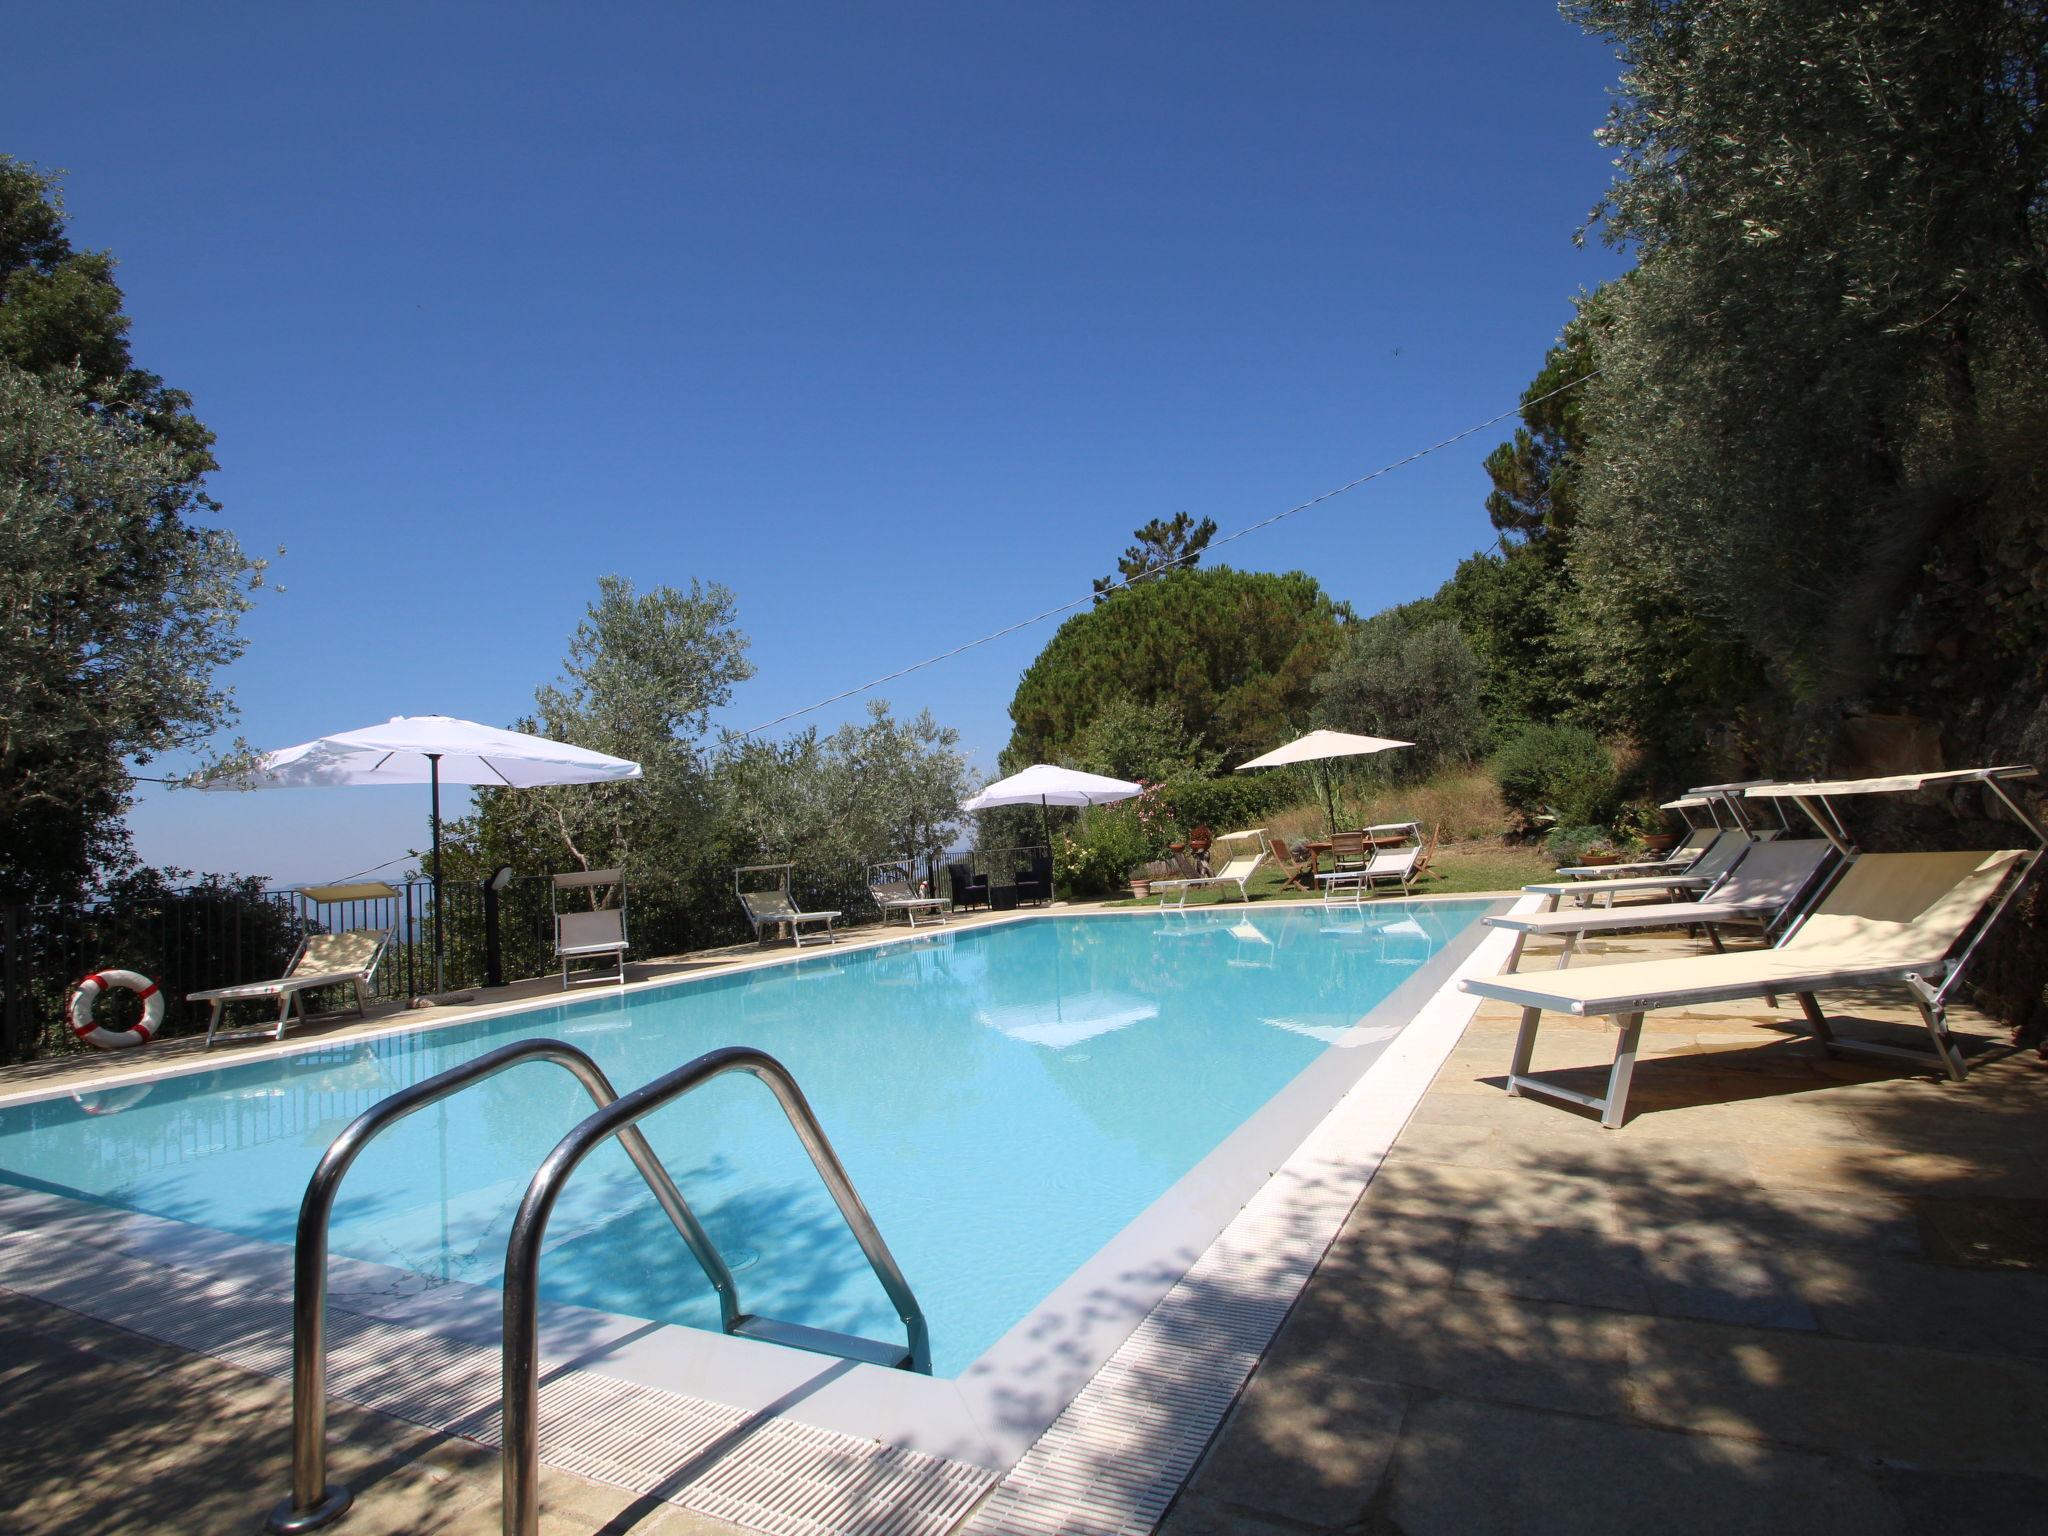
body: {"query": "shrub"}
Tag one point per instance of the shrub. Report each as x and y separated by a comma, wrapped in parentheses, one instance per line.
(1640, 819)
(1557, 773)
(1100, 854)
(1570, 845)
(1227, 803)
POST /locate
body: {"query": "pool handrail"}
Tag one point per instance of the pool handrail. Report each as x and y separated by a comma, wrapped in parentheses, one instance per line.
(519, 1405)
(313, 1501)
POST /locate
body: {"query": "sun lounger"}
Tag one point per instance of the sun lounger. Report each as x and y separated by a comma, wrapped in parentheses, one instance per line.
(593, 934)
(1894, 919)
(346, 959)
(1707, 869)
(1680, 862)
(1237, 872)
(1401, 866)
(1760, 890)
(772, 910)
(889, 885)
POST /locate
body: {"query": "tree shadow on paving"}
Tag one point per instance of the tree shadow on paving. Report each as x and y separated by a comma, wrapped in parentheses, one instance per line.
(1588, 1330)
(104, 1431)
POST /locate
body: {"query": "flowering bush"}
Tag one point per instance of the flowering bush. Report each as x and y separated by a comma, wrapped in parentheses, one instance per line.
(1110, 843)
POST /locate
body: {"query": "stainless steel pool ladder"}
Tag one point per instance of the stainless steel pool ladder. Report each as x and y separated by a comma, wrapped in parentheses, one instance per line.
(314, 1502)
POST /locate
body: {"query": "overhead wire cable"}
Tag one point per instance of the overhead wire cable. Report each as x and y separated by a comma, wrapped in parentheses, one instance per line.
(1229, 538)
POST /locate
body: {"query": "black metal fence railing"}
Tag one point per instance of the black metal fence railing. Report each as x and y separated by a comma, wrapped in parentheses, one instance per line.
(189, 939)
(193, 938)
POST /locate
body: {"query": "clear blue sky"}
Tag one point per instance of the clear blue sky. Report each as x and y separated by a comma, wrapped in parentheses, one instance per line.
(896, 319)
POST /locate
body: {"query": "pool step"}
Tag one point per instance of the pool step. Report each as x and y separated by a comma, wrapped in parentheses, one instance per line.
(823, 1341)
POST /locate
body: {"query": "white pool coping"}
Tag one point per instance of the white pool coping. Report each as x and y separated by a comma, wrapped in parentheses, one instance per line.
(1108, 1390)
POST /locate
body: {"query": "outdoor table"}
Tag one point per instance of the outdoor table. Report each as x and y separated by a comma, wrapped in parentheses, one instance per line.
(1002, 898)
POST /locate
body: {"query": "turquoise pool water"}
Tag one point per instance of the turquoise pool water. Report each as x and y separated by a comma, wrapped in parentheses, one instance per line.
(1006, 1098)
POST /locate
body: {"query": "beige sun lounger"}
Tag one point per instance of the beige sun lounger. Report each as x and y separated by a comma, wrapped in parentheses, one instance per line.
(1759, 891)
(772, 910)
(892, 891)
(1237, 872)
(1893, 919)
(1704, 871)
(1681, 862)
(1681, 858)
(347, 959)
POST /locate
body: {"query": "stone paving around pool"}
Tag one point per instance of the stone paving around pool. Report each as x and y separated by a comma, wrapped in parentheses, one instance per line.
(1791, 1295)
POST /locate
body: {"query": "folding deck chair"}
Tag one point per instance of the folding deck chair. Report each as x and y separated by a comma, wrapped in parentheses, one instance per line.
(1292, 870)
(349, 958)
(594, 933)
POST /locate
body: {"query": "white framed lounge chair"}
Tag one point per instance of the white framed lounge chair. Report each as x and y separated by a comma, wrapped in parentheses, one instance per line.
(594, 933)
(349, 958)
(1244, 860)
(1704, 872)
(771, 909)
(1899, 919)
(1401, 866)
(1681, 861)
(1762, 891)
(1395, 832)
(892, 890)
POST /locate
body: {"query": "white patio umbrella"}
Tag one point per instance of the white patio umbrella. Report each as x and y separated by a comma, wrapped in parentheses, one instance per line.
(1044, 785)
(1320, 746)
(431, 750)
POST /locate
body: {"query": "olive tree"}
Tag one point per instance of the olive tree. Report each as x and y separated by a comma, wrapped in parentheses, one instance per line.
(119, 610)
(121, 598)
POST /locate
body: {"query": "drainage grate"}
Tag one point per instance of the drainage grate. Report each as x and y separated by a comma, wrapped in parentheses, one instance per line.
(783, 1478)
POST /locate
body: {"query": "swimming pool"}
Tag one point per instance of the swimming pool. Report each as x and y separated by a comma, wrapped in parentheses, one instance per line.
(1007, 1099)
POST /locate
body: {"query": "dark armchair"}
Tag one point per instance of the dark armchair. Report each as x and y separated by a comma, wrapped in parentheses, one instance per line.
(969, 889)
(1034, 881)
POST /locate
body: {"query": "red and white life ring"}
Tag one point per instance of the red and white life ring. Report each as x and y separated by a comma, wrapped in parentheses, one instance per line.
(91, 1032)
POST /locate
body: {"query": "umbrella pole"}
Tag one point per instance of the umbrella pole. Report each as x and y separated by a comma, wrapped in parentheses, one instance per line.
(434, 772)
(1045, 823)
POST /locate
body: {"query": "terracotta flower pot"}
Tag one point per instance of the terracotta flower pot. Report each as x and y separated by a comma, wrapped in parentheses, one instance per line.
(1590, 859)
(1141, 888)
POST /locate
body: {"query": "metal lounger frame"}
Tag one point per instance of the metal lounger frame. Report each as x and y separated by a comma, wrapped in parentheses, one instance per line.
(1930, 994)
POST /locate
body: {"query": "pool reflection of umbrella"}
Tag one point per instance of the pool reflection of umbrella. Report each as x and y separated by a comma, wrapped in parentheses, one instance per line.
(431, 750)
(1082, 1017)
(1320, 747)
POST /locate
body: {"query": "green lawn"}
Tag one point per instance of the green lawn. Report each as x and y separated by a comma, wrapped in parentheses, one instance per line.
(1488, 866)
